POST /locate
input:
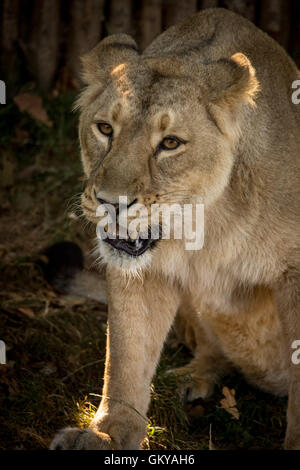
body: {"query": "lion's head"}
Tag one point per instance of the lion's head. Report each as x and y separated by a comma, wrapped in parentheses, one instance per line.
(158, 129)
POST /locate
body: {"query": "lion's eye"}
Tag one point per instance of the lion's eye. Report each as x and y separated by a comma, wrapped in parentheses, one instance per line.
(170, 143)
(105, 128)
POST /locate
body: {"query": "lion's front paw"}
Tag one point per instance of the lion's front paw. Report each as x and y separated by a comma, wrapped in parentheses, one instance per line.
(81, 439)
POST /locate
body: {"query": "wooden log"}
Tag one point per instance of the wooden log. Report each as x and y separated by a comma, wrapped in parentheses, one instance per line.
(84, 31)
(9, 37)
(270, 17)
(150, 22)
(246, 8)
(294, 41)
(175, 11)
(209, 4)
(120, 17)
(42, 49)
(286, 24)
(275, 19)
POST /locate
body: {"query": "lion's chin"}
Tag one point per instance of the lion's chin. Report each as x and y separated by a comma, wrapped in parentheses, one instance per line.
(121, 259)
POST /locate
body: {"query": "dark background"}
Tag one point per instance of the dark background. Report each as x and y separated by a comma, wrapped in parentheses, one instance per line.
(42, 40)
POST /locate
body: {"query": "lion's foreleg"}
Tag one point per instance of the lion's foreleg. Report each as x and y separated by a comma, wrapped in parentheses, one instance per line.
(140, 315)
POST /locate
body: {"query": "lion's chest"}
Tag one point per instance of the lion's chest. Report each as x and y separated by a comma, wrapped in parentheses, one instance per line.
(218, 279)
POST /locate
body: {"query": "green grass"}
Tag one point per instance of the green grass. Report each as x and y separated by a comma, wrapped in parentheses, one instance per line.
(56, 349)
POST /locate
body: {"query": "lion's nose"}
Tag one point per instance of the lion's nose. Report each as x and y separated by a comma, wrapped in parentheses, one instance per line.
(104, 202)
(116, 205)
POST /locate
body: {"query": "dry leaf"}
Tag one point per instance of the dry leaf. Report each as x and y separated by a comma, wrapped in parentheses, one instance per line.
(229, 402)
(27, 311)
(33, 105)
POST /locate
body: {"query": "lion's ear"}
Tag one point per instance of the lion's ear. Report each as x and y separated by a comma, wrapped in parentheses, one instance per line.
(108, 54)
(229, 84)
(231, 81)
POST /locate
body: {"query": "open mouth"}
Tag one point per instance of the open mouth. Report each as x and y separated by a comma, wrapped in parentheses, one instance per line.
(131, 247)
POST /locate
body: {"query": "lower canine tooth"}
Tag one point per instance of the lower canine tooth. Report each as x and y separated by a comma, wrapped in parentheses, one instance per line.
(138, 244)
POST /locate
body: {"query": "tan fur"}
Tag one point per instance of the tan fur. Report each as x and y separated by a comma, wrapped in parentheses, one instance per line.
(251, 341)
(225, 87)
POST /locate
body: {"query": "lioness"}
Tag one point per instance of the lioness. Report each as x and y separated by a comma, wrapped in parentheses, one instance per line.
(205, 112)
